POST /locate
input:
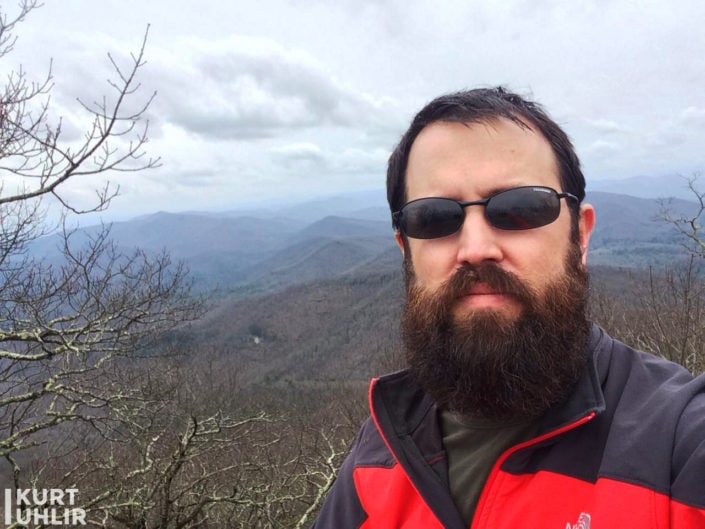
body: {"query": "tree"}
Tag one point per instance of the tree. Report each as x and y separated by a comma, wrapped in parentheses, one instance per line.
(90, 396)
(689, 226)
(167, 464)
(32, 149)
(64, 323)
(660, 311)
(178, 459)
(665, 311)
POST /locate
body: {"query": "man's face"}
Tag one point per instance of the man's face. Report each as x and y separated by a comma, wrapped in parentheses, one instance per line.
(495, 320)
(470, 162)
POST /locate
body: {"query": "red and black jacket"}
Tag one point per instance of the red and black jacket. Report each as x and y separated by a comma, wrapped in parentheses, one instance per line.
(627, 450)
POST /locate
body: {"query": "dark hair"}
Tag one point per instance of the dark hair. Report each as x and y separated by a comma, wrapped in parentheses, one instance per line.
(480, 106)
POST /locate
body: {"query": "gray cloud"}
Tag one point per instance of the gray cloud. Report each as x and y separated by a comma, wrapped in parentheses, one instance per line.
(314, 98)
(255, 88)
(300, 157)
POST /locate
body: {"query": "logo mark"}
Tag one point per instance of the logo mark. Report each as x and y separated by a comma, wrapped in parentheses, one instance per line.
(583, 522)
(42, 507)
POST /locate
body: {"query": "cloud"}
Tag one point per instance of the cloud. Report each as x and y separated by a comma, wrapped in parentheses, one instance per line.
(606, 126)
(602, 148)
(297, 151)
(330, 161)
(363, 161)
(299, 156)
(693, 116)
(251, 88)
(313, 99)
(193, 177)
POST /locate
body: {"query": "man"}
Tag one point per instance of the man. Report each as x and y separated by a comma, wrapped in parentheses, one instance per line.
(515, 411)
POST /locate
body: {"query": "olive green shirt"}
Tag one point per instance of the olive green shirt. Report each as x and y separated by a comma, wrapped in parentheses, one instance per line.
(473, 446)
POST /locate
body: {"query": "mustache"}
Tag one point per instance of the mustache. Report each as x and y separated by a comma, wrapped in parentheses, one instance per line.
(498, 280)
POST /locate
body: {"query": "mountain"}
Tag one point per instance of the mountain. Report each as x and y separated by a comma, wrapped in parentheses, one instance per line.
(656, 187)
(244, 254)
(264, 250)
(628, 231)
(342, 227)
(311, 259)
(316, 298)
(328, 330)
(344, 328)
(369, 204)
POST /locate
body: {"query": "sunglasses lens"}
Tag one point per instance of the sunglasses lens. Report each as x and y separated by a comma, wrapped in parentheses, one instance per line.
(523, 208)
(520, 208)
(429, 218)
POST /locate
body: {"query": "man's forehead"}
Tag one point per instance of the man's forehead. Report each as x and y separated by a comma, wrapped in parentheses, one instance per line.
(494, 154)
(501, 136)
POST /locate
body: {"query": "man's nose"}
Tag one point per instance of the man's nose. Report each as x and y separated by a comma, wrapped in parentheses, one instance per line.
(478, 239)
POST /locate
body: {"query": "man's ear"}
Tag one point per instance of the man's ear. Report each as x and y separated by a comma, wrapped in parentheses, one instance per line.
(400, 241)
(586, 222)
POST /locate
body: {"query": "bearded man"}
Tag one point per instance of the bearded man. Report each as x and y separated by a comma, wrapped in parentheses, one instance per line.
(515, 411)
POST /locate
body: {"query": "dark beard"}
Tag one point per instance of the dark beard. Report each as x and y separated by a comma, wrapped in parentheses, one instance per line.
(490, 365)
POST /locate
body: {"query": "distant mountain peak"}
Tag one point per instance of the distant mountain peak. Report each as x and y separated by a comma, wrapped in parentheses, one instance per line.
(661, 186)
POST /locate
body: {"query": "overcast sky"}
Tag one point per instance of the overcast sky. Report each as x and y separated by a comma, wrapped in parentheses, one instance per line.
(274, 98)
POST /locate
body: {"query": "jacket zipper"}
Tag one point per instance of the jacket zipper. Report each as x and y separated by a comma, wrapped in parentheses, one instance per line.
(500, 461)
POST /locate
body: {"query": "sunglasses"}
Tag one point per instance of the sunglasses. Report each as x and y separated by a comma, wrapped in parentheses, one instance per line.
(518, 208)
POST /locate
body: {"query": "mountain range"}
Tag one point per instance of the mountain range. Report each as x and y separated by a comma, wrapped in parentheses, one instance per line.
(249, 251)
(310, 293)
(657, 187)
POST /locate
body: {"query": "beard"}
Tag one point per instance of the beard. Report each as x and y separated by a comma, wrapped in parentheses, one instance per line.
(485, 363)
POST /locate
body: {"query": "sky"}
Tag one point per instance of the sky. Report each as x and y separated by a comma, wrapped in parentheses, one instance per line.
(276, 99)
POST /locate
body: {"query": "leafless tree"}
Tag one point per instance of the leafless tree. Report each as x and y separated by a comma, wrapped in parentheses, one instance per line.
(690, 226)
(150, 443)
(665, 310)
(660, 311)
(168, 464)
(32, 151)
(63, 322)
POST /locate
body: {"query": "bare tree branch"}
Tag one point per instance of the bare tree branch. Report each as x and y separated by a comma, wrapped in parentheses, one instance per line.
(690, 226)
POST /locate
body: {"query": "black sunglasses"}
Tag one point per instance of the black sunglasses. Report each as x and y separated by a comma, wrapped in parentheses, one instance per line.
(518, 208)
